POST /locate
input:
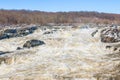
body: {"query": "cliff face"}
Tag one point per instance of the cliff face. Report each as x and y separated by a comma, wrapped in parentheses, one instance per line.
(72, 54)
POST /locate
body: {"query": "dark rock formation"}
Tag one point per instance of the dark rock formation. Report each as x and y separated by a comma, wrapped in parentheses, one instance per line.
(110, 35)
(94, 33)
(108, 47)
(48, 32)
(1, 52)
(19, 48)
(9, 33)
(33, 43)
(26, 31)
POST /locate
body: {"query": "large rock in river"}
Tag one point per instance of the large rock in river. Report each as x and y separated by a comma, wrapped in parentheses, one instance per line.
(33, 43)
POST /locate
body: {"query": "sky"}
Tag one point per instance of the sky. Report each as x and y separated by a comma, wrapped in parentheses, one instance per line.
(108, 6)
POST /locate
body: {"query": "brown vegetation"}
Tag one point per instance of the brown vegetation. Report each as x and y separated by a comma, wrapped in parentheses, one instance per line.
(39, 17)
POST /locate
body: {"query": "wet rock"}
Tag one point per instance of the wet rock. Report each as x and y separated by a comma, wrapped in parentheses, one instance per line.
(1, 52)
(10, 33)
(33, 43)
(108, 47)
(19, 48)
(110, 35)
(94, 33)
(115, 49)
(26, 31)
(48, 32)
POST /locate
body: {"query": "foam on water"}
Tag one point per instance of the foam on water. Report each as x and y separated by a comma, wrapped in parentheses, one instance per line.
(69, 54)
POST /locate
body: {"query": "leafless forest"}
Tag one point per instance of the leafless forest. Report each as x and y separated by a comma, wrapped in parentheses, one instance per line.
(43, 18)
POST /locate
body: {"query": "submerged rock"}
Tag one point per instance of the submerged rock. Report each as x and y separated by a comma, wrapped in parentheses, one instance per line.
(33, 43)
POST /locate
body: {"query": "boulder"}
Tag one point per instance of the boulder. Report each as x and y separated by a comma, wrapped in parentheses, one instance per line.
(33, 43)
(110, 35)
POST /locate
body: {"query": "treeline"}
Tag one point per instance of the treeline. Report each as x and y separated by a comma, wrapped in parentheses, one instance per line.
(43, 18)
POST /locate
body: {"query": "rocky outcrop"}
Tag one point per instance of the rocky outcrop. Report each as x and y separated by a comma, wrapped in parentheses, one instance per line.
(10, 33)
(33, 43)
(110, 35)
